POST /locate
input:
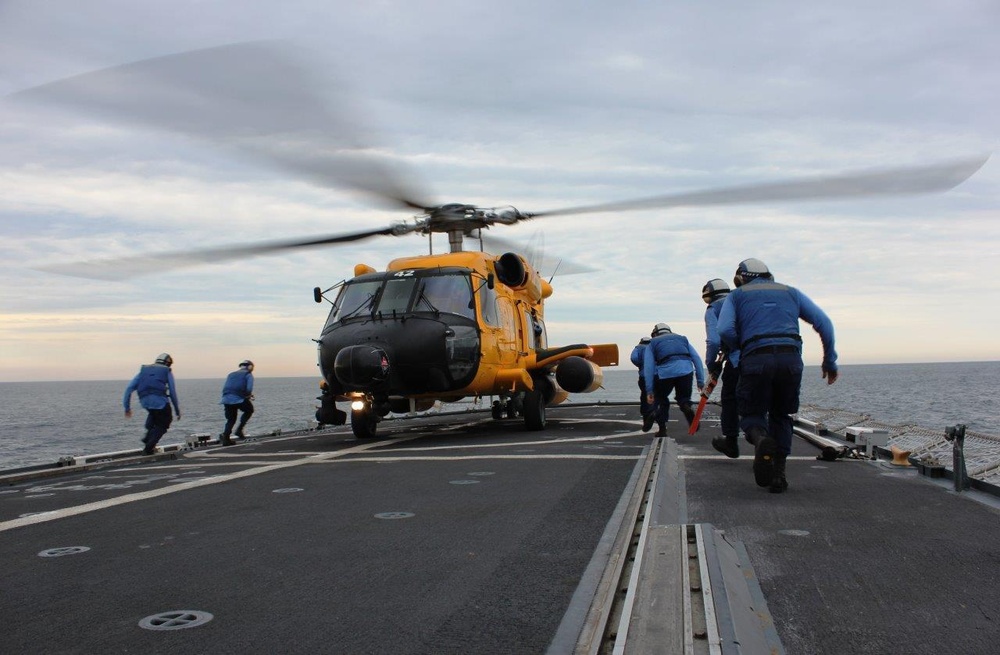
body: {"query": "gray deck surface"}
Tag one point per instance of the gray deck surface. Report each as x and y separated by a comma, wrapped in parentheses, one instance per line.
(292, 558)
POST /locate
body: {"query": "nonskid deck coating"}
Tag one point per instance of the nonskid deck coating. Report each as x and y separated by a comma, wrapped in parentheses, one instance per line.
(490, 528)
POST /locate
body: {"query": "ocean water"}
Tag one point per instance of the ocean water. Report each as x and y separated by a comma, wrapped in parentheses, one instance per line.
(43, 421)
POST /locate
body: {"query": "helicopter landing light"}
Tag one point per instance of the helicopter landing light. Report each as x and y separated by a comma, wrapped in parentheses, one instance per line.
(357, 405)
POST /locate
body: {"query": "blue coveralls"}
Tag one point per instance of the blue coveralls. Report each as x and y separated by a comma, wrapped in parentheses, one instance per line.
(155, 385)
(667, 366)
(761, 318)
(729, 414)
(637, 360)
(236, 392)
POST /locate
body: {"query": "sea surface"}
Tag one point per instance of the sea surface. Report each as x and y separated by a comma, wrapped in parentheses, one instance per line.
(43, 421)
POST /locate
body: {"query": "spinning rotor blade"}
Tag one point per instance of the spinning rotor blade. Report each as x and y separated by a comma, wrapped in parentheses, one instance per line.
(116, 269)
(898, 181)
(254, 97)
(547, 265)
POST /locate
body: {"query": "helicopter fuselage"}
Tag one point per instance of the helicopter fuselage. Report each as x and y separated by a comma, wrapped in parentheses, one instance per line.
(443, 327)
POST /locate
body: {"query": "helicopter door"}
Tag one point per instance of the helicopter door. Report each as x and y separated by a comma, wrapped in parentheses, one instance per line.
(510, 335)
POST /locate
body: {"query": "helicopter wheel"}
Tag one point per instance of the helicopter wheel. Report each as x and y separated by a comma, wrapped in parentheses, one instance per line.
(497, 410)
(514, 407)
(534, 408)
(364, 423)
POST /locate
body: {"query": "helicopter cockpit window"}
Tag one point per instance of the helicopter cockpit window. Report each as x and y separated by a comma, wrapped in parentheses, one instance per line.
(450, 294)
(354, 299)
(396, 295)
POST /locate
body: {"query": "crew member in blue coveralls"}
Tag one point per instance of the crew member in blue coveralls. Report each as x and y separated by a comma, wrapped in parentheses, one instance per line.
(645, 409)
(667, 366)
(155, 385)
(761, 318)
(237, 392)
(723, 365)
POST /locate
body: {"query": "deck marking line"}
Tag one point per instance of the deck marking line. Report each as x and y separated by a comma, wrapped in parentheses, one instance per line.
(748, 457)
(184, 486)
(457, 458)
(550, 442)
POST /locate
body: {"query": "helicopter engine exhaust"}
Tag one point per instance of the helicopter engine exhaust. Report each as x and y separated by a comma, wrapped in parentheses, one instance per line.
(514, 272)
(361, 367)
(579, 375)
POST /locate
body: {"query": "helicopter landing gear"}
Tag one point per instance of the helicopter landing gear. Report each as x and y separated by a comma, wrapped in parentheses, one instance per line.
(364, 422)
(510, 408)
(515, 406)
(534, 404)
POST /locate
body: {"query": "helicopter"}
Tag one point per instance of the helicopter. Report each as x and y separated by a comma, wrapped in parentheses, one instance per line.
(435, 327)
(445, 327)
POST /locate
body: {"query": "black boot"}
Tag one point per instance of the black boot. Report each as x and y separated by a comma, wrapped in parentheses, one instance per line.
(778, 481)
(688, 413)
(728, 446)
(662, 432)
(765, 450)
(647, 422)
(225, 440)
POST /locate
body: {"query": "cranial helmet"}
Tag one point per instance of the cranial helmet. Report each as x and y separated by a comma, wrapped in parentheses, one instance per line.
(713, 290)
(660, 328)
(164, 359)
(750, 269)
(645, 340)
(246, 363)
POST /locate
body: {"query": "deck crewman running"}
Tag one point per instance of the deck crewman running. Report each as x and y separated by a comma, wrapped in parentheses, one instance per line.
(155, 385)
(237, 394)
(668, 364)
(761, 319)
(722, 364)
(645, 409)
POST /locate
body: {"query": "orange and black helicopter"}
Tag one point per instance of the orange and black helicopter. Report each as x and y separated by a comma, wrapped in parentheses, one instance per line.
(460, 324)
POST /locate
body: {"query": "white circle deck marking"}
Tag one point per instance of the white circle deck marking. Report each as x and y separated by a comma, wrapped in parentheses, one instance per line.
(176, 620)
(480, 473)
(287, 490)
(464, 482)
(395, 515)
(65, 550)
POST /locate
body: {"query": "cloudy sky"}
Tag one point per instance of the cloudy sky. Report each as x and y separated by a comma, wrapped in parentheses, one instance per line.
(534, 104)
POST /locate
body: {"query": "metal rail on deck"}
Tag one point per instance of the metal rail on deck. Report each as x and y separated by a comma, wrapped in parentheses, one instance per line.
(978, 452)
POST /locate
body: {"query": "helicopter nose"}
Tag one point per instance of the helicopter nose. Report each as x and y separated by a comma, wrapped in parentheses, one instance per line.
(361, 367)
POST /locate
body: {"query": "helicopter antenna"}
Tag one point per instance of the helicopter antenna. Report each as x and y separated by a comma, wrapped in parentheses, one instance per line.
(552, 277)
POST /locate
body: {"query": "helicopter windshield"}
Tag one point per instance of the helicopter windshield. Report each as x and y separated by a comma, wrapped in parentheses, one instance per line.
(450, 294)
(355, 299)
(438, 292)
(396, 295)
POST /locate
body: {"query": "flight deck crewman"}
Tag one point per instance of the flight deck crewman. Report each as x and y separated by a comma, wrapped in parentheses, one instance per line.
(155, 385)
(667, 366)
(723, 365)
(761, 319)
(237, 394)
(645, 409)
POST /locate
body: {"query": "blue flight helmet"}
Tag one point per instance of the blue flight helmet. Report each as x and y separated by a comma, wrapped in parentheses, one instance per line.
(713, 290)
(750, 269)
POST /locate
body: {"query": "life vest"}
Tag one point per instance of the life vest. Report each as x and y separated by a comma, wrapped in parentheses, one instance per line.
(669, 347)
(153, 381)
(781, 322)
(236, 384)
